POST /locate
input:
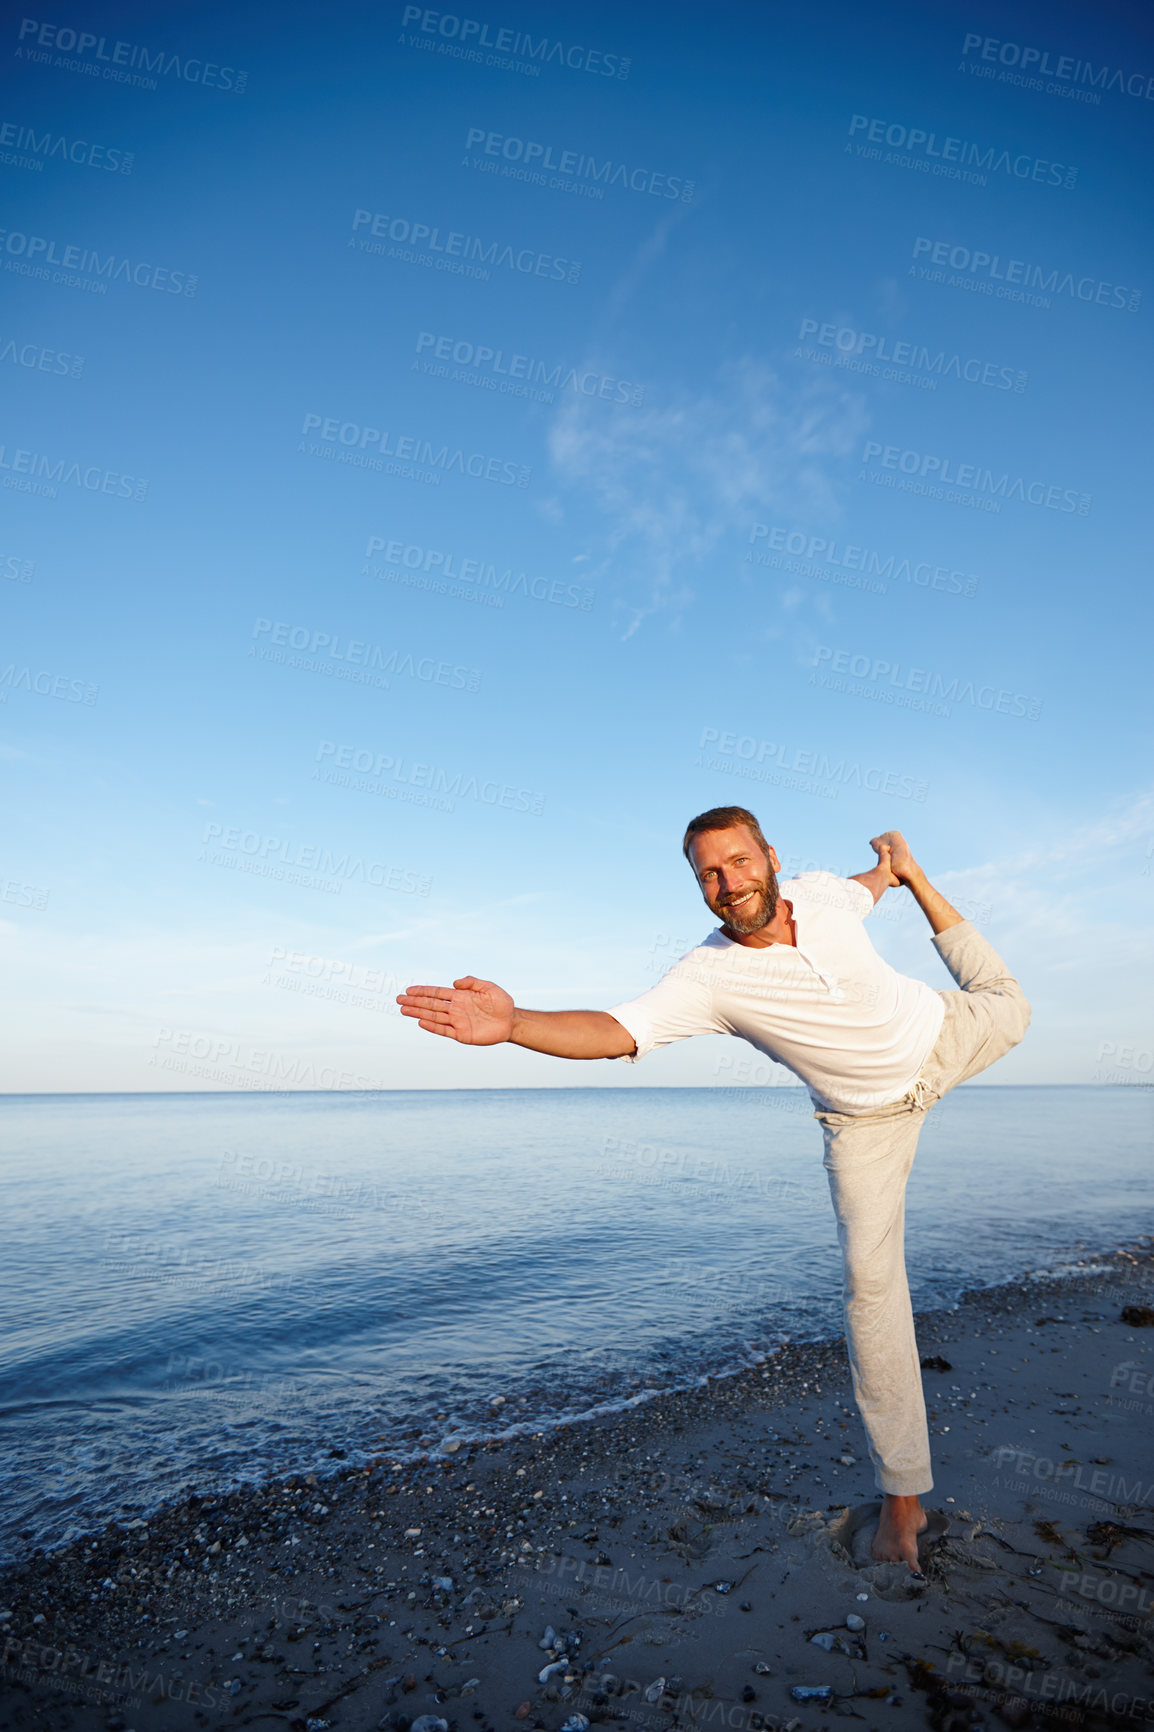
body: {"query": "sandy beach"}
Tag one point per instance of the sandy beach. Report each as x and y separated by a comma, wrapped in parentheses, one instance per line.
(689, 1562)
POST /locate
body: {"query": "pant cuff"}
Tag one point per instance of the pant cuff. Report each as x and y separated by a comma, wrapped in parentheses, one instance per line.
(944, 941)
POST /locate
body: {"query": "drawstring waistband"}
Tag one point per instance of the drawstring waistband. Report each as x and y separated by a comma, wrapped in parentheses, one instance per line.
(921, 1096)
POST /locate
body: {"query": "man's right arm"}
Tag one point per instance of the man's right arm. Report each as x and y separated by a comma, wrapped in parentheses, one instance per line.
(480, 1013)
(572, 1033)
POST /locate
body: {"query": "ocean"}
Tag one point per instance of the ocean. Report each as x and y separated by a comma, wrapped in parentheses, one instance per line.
(202, 1290)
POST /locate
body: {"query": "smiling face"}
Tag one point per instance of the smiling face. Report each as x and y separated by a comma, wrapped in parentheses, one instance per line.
(738, 881)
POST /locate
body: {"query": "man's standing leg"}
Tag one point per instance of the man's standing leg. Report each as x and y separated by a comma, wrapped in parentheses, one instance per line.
(983, 1021)
(868, 1159)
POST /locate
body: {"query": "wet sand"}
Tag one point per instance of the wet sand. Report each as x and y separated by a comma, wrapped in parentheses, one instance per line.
(684, 1555)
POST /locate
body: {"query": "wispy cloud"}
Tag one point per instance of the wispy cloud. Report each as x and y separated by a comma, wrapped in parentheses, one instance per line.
(1079, 848)
(669, 482)
(1078, 894)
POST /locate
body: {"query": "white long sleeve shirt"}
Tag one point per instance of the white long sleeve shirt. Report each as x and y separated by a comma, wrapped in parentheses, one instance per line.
(830, 1009)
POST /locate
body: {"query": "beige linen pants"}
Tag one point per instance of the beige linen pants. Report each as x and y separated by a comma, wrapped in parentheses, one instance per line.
(868, 1157)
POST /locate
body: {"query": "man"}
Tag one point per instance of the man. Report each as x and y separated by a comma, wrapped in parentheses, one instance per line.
(791, 971)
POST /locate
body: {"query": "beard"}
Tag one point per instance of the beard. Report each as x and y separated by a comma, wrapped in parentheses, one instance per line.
(757, 912)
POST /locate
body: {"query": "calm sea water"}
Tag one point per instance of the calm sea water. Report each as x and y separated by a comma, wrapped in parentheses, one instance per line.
(203, 1289)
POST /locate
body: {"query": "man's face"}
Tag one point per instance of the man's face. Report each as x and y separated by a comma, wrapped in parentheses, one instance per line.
(738, 881)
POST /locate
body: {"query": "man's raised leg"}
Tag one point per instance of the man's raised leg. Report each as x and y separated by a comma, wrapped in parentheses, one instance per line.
(991, 1013)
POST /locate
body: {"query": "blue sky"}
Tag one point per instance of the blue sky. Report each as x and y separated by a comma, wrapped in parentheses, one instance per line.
(492, 529)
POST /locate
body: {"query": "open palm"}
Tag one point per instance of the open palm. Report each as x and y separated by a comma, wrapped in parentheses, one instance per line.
(475, 1012)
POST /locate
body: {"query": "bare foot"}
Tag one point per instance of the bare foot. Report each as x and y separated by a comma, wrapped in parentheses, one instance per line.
(896, 1541)
(893, 852)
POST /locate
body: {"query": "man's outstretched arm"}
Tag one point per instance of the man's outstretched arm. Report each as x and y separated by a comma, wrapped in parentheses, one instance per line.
(896, 865)
(480, 1013)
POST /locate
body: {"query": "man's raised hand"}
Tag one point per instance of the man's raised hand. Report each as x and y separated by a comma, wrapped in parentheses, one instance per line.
(475, 1012)
(893, 852)
(894, 857)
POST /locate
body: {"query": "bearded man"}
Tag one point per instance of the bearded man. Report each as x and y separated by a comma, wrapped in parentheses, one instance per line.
(792, 971)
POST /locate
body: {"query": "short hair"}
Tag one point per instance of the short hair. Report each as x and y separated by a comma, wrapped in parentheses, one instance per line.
(723, 818)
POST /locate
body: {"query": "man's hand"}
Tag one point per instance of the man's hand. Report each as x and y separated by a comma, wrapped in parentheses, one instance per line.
(475, 1012)
(894, 857)
(478, 1013)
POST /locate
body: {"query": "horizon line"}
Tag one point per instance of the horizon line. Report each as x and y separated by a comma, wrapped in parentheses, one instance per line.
(506, 1088)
